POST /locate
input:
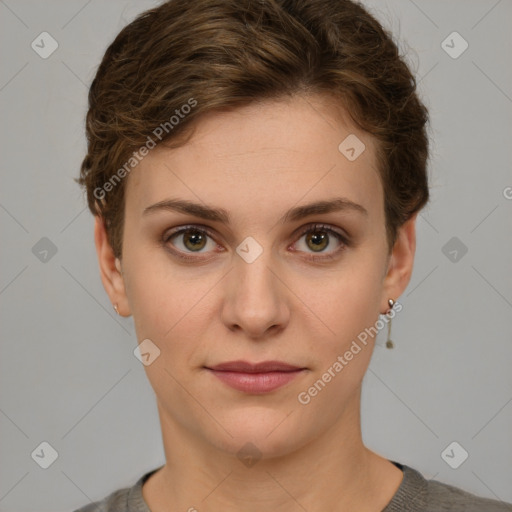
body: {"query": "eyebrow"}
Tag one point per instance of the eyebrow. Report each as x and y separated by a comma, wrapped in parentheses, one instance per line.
(221, 215)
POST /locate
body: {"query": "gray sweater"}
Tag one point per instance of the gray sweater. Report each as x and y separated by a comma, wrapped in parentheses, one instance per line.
(415, 494)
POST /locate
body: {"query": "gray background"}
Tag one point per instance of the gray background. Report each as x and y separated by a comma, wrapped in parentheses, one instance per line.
(68, 373)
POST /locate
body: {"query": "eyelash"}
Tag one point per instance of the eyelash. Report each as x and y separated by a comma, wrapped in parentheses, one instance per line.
(310, 228)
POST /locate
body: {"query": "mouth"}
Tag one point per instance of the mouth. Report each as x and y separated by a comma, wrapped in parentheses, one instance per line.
(255, 378)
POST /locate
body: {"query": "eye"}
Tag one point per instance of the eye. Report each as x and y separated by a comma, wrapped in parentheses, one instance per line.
(196, 239)
(190, 239)
(318, 237)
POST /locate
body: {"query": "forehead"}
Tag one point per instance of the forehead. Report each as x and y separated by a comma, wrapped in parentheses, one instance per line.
(263, 158)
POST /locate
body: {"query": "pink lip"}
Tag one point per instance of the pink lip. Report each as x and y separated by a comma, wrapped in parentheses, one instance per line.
(255, 378)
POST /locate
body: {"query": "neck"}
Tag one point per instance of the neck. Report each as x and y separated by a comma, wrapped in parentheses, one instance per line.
(334, 471)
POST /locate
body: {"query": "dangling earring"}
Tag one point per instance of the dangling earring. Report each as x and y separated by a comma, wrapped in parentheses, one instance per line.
(116, 309)
(389, 342)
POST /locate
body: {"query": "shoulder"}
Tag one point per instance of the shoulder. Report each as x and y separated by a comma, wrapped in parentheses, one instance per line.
(114, 502)
(417, 494)
(443, 497)
(127, 499)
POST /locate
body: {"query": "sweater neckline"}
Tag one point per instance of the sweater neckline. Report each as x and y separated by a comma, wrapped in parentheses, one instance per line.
(410, 495)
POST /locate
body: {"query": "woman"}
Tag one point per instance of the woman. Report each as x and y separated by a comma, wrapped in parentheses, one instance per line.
(256, 170)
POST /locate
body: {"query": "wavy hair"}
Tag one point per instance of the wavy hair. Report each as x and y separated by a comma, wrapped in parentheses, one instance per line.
(229, 53)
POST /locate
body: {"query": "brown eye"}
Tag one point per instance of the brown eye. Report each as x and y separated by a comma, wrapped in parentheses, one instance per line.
(194, 240)
(317, 240)
(188, 240)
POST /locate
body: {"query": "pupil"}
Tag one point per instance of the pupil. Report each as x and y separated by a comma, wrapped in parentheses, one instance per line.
(318, 240)
(194, 240)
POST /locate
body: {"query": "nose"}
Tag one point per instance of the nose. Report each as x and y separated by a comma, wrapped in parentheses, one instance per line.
(255, 300)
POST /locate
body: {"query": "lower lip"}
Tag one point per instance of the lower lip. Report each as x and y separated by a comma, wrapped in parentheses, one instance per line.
(256, 382)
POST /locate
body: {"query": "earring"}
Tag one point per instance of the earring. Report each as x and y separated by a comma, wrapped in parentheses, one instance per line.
(389, 342)
(116, 309)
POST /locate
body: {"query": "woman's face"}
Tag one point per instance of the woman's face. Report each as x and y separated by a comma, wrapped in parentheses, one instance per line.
(249, 284)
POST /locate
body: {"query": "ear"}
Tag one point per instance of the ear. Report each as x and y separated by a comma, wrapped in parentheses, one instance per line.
(110, 269)
(400, 263)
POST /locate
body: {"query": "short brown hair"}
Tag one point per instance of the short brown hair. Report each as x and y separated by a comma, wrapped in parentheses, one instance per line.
(216, 55)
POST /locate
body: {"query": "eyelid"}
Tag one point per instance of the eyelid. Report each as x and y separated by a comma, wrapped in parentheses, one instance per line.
(326, 227)
(301, 231)
(169, 233)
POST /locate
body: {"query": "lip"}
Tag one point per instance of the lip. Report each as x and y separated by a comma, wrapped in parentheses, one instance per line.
(263, 367)
(255, 378)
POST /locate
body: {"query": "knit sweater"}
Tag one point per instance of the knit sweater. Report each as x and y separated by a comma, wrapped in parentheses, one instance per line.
(415, 494)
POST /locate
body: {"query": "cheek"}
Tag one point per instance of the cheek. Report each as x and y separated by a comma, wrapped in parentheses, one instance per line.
(350, 299)
(343, 354)
(159, 304)
(170, 305)
(348, 304)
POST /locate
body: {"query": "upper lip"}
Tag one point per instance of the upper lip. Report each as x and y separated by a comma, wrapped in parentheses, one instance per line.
(263, 367)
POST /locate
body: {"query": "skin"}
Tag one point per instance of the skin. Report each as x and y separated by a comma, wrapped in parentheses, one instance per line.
(257, 162)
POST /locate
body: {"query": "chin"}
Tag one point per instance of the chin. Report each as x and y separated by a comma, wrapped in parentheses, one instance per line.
(260, 432)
